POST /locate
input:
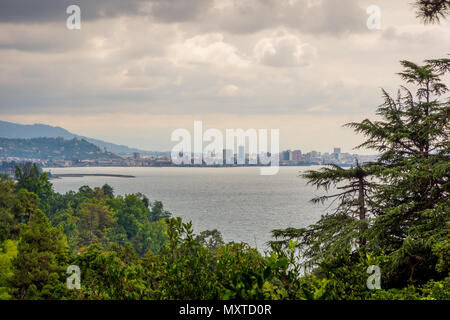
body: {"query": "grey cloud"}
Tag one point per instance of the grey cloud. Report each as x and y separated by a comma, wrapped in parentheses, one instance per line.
(178, 10)
(327, 16)
(198, 95)
(39, 39)
(26, 11)
(242, 16)
(408, 38)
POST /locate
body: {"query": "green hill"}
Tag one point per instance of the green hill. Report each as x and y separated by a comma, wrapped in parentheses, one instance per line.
(52, 149)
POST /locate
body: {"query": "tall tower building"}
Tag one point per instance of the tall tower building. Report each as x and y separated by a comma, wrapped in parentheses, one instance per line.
(241, 155)
(286, 155)
(296, 155)
(228, 156)
(336, 153)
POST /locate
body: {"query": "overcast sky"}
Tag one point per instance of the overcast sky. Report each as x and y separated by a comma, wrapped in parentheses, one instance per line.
(137, 70)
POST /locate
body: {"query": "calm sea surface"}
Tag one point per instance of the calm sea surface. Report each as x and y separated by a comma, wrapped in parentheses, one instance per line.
(239, 202)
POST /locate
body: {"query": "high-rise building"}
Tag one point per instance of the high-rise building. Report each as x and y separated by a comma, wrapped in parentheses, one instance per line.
(297, 155)
(136, 155)
(228, 156)
(336, 153)
(241, 155)
(285, 155)
(315, 154)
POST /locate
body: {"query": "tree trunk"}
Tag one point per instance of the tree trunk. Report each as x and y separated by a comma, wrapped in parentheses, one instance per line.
(362, 211)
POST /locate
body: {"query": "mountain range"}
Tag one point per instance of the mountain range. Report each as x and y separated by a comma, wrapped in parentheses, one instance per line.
(26, 131)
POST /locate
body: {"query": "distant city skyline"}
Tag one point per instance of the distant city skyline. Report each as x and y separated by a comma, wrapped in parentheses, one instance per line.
(307, 146)
(35, 130)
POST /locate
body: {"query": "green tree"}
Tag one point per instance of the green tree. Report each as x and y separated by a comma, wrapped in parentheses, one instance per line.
(8, 250)
(114, 274)
(138, 222)
(343, 230)
(412, 205)
(182, 269)
(152, 236)
(431, 11)
(108, 190)
(130, 212)
(16, 207)
(95, 222)
(41, 260)
(158, 212)
(69, 222)
(211, 239)
(408, 204)
(7, 219)
(31, 178)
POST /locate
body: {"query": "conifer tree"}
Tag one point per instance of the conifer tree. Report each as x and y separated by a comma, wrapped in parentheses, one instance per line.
(344, 230)
(30, 177)
(412, 205)
(405, 214)
(431, 11)
(41, 261)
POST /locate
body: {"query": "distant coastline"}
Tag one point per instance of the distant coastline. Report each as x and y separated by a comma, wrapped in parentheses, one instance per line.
(80, 175)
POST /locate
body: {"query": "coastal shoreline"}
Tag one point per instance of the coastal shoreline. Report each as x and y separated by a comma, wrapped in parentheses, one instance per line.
(80, 175)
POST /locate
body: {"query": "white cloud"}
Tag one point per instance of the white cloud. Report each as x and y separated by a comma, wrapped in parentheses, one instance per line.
(229, 90)
(284, 50)
(208, 49)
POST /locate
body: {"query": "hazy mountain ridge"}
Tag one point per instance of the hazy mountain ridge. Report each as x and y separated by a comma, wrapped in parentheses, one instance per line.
(27, 131)
(52, 149)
